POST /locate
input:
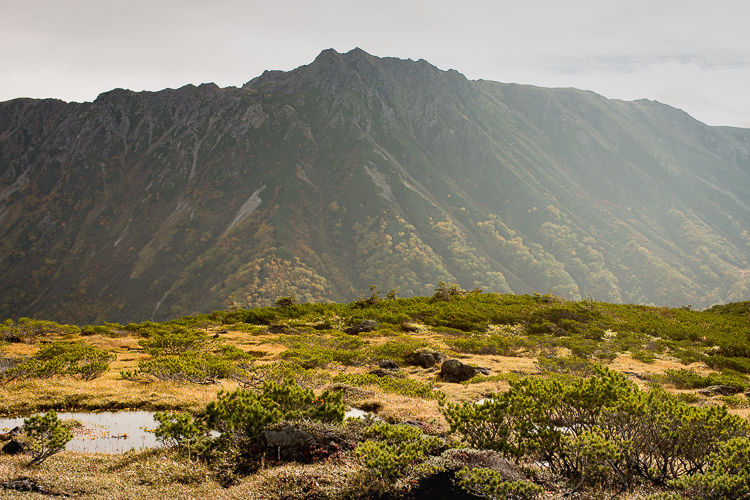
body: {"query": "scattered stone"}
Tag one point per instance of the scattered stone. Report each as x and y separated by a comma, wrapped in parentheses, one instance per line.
(425, 359)
(379, 372)
(14, 447)
(453, 370)
(305, 441)
(280, 329)
(387, 364)
(14, 432)
(367, 325)
(25, 484)
(287, 443)
(718, 390)
(639, 376)
(408, 327)
(414, 423)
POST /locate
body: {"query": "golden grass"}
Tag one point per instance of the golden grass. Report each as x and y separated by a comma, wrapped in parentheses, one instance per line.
(156, 474)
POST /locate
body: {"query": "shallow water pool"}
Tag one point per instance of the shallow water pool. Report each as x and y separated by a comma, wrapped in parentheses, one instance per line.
(104, 432)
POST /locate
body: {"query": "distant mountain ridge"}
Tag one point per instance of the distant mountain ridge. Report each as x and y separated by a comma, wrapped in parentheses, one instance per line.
(358, 170)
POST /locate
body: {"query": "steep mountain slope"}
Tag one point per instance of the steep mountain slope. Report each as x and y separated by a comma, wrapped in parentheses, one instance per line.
(356, 170)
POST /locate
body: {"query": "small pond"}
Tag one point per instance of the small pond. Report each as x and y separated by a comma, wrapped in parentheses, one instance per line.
(104, 432)
(115, 432)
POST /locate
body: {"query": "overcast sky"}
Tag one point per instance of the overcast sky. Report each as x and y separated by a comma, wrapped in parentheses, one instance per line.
(693, 55)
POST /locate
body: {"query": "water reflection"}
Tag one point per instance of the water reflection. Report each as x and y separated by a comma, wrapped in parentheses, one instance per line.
(116, 432)
(104, 432)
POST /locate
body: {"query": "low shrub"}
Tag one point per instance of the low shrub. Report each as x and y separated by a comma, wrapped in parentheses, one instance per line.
(283, 370)
(177, 341)
(717, 362)
(395, 448)
(601, 429)
(568, 365)
(183, 355)
(46, 435)
(312, 351)
(690, 379)
(197, 368)
(727, 476)
(61, 359)
(27, 329)
(491, 484)
(644, 356)
(403, 386)
(481, 344)
(239, 416)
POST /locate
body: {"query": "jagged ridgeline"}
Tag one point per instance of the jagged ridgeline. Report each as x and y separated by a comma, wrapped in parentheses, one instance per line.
(356, 170)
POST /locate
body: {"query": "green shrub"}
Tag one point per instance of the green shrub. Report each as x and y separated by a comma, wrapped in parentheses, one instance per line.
(196, 368)
(491, 484)
(448, 291)
(311, 351)
(61, 359)
(403, 386)
(662, 438)
(231, 425)
(727, 476)
(241, 415)
(397, 448)
(481, 344)
(741, 365)
(568, 365)
(176, 341)
(601, 429)
(96, 329)
(27, 329)
(395, 350)
(690, 379)
(644, 356)
(47, 435)
(283, 370)
(183, 355)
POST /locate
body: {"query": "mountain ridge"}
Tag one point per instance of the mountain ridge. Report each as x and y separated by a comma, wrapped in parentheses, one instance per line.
(355, 170)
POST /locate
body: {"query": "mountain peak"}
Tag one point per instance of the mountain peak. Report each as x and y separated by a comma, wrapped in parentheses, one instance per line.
(356, 169)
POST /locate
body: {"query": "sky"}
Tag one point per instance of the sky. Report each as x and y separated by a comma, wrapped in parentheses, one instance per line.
(692, 55)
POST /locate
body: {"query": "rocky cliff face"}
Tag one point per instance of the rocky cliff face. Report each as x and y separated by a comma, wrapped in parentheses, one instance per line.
(357, 170)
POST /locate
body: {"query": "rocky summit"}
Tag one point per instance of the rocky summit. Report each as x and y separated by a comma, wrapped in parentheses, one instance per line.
(358, 170)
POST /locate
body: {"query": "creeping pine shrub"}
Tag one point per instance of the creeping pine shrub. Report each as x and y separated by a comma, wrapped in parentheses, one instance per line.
(239, 416)
(661, 438)
(27, 329)
(311, 351)
(690, 379)
(602, 430)
(177, 341)
(59, 359)
(569, 365)
(491, 484)
(47, 435)
(403, 386)
(393, 448)
(196, 368)
(448, 291)
(191, 356)
(283, 370)
(481, 344)
(727, 476)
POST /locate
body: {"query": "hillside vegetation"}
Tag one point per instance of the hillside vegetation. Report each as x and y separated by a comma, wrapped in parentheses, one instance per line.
(579, 396)
(355, 170)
